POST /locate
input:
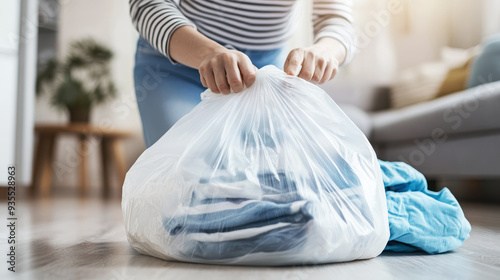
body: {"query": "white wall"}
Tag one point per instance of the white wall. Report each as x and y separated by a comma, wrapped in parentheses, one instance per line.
(9, 30)
(18, 36)
(109, 23)
(490, 18)
(26, 80)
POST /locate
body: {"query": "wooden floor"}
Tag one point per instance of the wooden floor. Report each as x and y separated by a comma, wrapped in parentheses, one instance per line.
(67, 238)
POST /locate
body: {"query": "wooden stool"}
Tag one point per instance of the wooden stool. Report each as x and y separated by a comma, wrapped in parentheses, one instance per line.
(111, 153)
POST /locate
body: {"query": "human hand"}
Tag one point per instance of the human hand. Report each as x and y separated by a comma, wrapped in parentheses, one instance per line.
(226, 70)
(320, 62)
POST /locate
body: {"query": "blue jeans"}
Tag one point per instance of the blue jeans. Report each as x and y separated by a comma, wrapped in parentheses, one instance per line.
(166, 92)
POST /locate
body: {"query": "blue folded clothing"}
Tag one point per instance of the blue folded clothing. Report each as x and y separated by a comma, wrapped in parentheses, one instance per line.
(274, 240)
(226, 224)
(254, 214)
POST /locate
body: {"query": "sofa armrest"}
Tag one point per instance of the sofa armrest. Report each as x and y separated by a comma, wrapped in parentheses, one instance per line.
(471, 111)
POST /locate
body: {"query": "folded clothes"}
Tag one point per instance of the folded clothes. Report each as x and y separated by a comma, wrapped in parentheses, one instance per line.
(222, 223)
(250, 215)
(275, 240)
(230, 215)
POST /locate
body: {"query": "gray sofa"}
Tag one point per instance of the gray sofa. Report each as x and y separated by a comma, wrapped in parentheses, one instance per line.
(456, 135)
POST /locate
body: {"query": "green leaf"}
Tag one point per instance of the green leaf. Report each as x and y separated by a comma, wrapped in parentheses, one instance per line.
(71, 93)
(82, 78)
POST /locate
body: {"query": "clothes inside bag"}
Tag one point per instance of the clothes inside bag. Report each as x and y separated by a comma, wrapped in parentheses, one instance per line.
(274, 175)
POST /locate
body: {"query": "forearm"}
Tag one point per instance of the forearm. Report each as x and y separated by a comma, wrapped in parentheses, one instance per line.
(333, 19)
(190, 47)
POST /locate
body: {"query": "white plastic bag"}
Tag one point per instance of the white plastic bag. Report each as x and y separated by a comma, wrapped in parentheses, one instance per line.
(274, 175)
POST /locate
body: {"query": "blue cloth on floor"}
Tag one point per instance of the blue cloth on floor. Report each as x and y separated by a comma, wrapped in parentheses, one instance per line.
(420, 219)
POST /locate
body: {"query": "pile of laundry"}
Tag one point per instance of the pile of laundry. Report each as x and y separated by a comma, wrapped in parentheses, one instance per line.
(279, 175)
(270, 215)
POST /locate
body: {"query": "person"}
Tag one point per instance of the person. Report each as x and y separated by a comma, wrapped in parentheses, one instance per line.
(189, 45)
(186, 46)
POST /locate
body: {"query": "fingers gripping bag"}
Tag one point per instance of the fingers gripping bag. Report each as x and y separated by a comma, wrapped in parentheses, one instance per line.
(274, 175)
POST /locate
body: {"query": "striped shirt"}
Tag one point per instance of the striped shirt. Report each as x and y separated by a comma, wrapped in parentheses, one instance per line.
(251, 24)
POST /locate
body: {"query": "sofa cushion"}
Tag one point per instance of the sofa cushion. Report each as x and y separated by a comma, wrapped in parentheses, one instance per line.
(430, 80)
(473, 110)
(486, 68)
(456, 79)
(418, 84)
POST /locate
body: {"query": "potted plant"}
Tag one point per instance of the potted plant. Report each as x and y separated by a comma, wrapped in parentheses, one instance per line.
(80, 81)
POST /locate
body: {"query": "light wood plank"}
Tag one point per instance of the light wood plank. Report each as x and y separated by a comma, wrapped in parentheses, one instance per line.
(46, 166)
(37, 164)
(119, 161)
(105, 167)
